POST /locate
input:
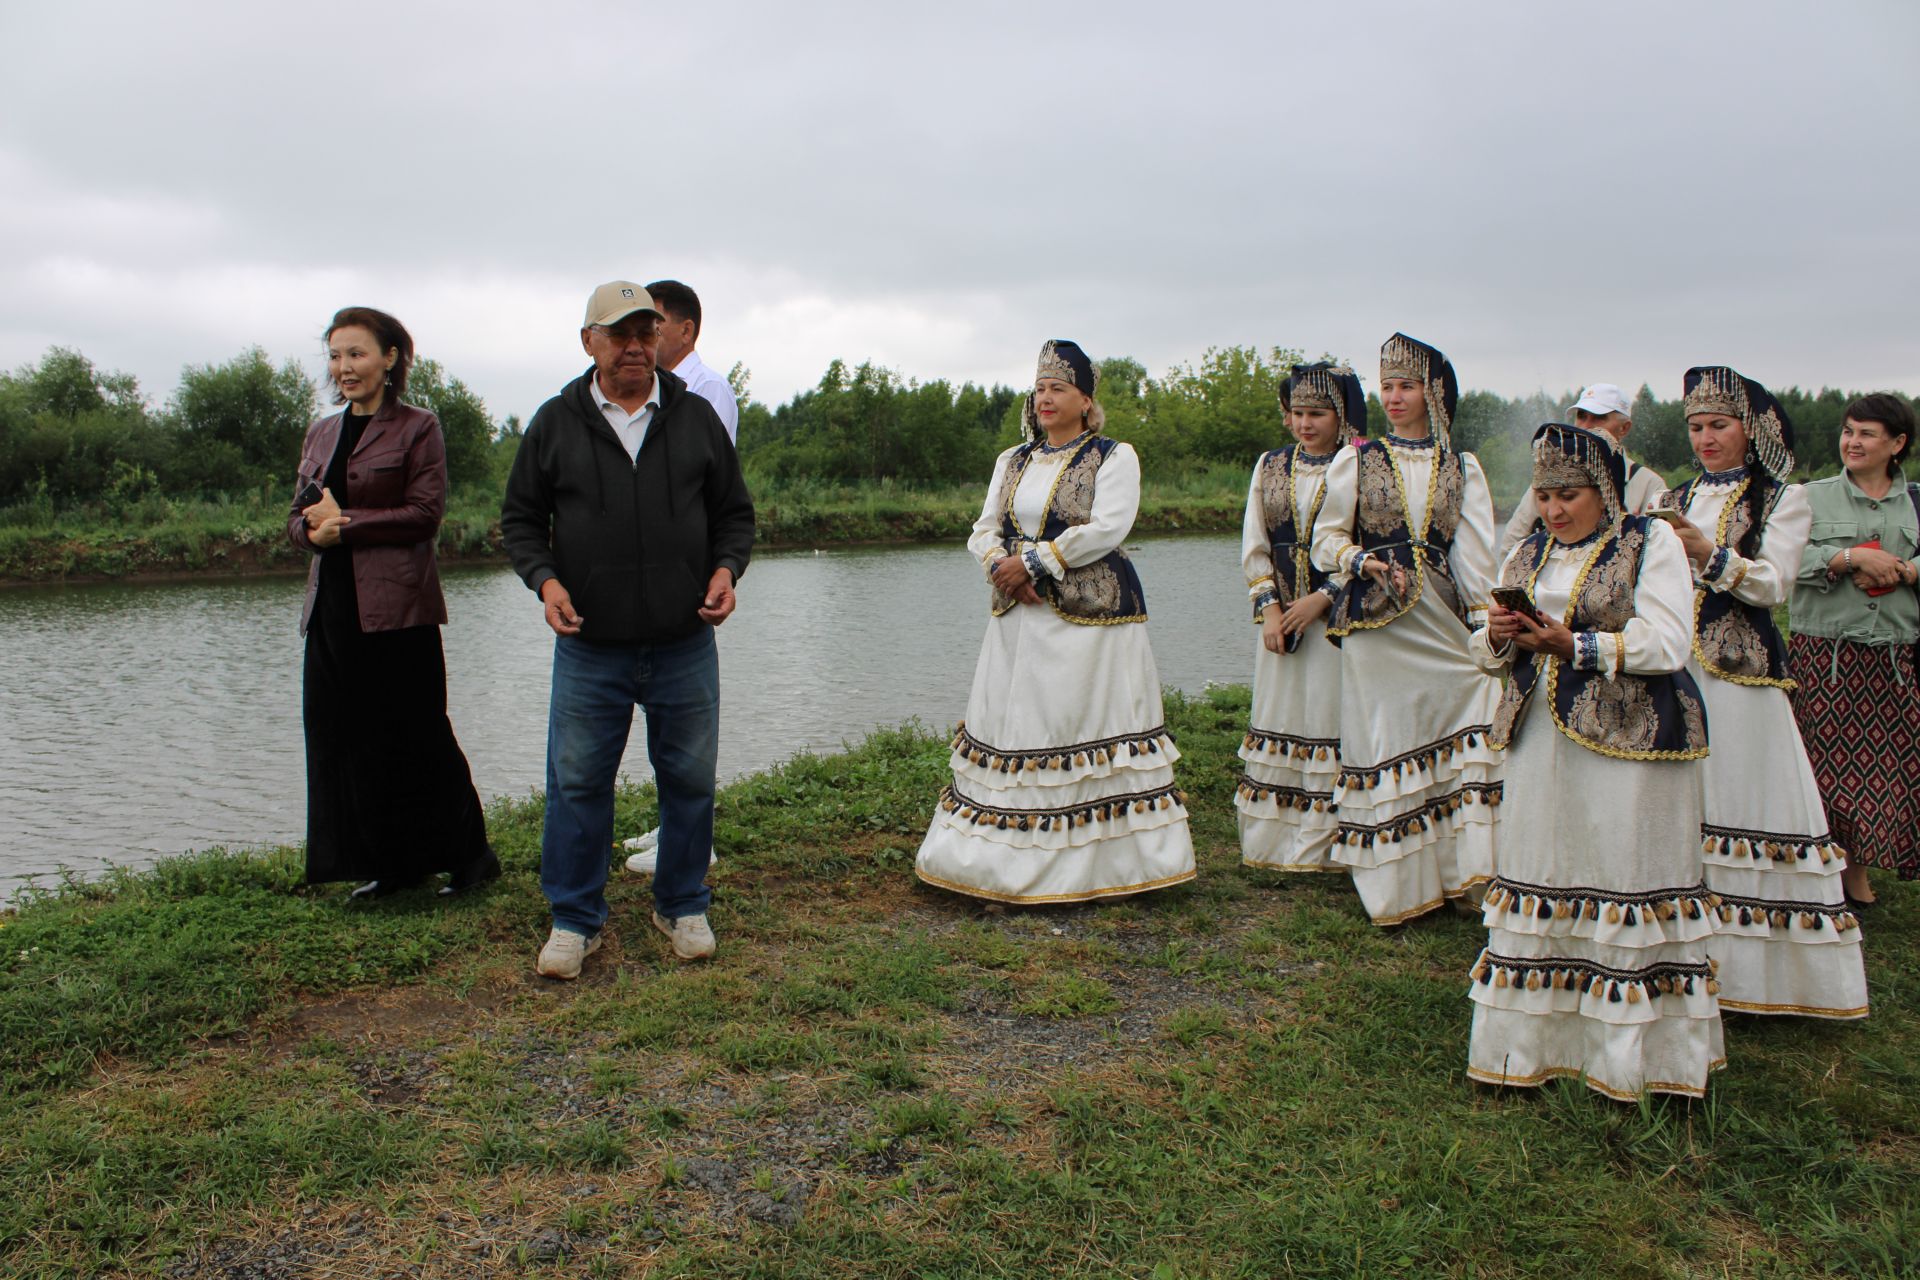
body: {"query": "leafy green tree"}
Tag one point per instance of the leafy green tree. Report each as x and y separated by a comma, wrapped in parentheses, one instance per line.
(239, 424)
(73, 433)
(464, 422)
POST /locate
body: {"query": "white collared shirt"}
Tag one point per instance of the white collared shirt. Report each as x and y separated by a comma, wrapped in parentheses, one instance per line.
(704, 382)
(630, 427)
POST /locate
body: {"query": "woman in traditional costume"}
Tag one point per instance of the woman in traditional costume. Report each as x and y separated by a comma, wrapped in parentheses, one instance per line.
(1599, 923)
(1788, 942)
(1409, 522)
(1063, 786)
(1856, 615)
(1292, 746)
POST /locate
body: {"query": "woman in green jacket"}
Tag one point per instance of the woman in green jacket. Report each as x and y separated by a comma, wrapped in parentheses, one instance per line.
(1856, 615)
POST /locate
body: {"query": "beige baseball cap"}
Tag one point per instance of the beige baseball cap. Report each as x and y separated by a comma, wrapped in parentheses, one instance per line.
(615, 300)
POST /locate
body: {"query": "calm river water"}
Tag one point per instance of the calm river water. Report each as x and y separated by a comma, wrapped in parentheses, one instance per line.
(138, 721)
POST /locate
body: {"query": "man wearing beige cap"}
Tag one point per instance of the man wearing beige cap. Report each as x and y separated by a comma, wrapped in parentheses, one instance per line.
(627, 515)
(1601, 407)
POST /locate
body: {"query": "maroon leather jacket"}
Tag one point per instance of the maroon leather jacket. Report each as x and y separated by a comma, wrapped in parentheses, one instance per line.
(397, 482)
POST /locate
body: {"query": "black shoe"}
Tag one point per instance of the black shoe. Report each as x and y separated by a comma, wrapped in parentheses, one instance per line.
(476, 873)
(1860, 906)
(380, 889)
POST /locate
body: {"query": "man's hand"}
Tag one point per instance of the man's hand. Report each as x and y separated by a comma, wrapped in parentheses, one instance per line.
(720, 598)
(559, 605)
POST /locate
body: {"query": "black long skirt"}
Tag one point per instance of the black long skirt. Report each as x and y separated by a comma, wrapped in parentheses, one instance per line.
(389, 793)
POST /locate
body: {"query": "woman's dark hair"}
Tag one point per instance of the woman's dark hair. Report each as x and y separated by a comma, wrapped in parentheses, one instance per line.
(1895, 416)
(1756, 505)
(388, 332)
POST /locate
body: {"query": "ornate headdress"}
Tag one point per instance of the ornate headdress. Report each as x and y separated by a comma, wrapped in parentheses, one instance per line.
(1566, 457)
(1064, 360)
(1715, 388)
(1325, 385)
(1404, 357)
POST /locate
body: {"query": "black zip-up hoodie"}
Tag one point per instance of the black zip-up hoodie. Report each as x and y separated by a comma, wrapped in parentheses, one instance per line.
(633, 542)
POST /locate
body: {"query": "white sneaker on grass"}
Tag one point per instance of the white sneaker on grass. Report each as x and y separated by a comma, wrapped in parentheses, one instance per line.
(564, 951)
(691, 935)
(646, 853)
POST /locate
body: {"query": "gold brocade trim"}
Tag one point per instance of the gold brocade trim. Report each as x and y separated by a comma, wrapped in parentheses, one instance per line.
(1554, 664)
(1295, 868)
(1302, 556)
(1738, 578)
(1540, 1077)
(1090, 895)
(1805, 1010)
(1095, 622)
(1700, 599)
(1014, 487)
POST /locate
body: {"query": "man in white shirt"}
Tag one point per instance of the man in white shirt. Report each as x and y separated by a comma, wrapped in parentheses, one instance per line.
(1601, 407)
(677, 338)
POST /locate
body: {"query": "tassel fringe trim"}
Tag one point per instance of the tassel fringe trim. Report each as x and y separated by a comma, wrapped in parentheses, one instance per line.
(1261, 742)
(1081, 755)
(1250, 792)
(1422, 819)
(1419, 760)
(1109, 809)
(1544, 902)
(1615, 986)
(1805, 921)
(1748, 847)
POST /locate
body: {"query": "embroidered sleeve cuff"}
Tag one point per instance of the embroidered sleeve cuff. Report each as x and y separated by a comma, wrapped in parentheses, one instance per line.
(1358, 560)
(1259, 585)
(1723, 570)
(1049, 559)
(1265, 598)
(1030, 556)
(1586, 651)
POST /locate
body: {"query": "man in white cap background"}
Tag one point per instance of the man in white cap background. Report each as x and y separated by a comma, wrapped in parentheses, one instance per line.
(626, 513)
(1601, 407)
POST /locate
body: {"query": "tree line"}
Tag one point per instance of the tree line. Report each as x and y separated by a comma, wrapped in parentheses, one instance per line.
(72, 434)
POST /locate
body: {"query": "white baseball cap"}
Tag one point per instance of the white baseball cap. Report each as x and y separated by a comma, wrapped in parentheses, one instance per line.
(1603, 398)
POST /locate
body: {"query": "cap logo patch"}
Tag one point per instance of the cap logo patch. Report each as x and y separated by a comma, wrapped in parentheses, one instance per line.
(626, 293)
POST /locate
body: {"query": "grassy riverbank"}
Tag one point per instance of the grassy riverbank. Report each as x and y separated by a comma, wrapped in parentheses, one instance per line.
(210, 1070)
(159, 538)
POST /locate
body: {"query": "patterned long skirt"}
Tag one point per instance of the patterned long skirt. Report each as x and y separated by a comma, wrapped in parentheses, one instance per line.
(1857, 706)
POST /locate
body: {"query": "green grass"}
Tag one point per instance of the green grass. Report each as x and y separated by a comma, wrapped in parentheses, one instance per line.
(209, 1066)
(164, 537)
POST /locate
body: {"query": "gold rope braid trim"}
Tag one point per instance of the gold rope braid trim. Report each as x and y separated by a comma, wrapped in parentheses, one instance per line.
(973, 891)
(1419, 546)
(1420, 759)
(1094, 622)
(1415, 821)
(1554, 664)
(1700, 593)
(1600, 1087)
(1053, 488)
(1776, 913)
(1098, 751)
(966, 809)
(1302, 558)
(1806, 1010)
(1297, 798)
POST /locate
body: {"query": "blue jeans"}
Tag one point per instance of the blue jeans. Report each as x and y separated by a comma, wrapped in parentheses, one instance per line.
(595, 688)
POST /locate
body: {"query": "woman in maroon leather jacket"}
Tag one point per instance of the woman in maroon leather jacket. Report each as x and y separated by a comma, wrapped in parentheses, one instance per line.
(389, 796)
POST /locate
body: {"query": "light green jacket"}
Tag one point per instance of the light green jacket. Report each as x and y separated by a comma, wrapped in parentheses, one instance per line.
(1845, 517)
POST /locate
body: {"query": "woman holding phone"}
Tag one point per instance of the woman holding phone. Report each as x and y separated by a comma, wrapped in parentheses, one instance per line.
(389, 796)
(1408, 521)
(1596, 963)
(1788, 941)
(1292, 747)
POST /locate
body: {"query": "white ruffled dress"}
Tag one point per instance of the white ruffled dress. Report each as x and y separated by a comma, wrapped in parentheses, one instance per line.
(1788, 943)
(1291, 751)
(1419, 783)
(1063, 787)
(1600, 932)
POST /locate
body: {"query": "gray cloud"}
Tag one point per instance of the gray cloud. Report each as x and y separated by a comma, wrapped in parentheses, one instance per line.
(1552, 194)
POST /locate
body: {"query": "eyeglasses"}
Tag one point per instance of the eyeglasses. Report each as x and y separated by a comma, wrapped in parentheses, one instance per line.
(620, 335)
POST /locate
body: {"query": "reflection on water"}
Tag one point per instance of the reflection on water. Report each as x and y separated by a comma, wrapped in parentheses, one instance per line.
(143, 720)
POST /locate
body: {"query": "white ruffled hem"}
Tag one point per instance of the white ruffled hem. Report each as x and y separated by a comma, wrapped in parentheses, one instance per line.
(1510, 1046)
(1759, 975)
(984, 863)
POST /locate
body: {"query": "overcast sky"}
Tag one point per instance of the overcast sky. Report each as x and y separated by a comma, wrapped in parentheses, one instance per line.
(1553, 194)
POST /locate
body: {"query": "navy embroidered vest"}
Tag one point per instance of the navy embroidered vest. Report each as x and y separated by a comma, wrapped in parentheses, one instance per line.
(1380, 527)
(1289, 531)
(1630, 717)
(1098, 594)
(1734, 640)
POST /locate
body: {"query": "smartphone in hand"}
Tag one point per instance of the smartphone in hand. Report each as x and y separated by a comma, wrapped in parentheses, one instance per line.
(1516, 600)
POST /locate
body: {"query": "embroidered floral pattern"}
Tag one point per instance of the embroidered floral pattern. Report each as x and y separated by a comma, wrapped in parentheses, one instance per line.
(1449, 491)
(1380, 509)
(1735, 644)
(1694, 715)
(1617, 712)
(1276, 490)
(1091, 591)
(1607, 603)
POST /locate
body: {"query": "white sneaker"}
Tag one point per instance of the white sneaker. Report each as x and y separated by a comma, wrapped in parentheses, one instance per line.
(564, 951)
(643, 862)
(692, 938)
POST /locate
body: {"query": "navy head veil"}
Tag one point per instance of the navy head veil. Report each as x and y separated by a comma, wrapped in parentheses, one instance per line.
(1715, 388)
(1404, 357)
(1064, 360)
(1325, 385)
